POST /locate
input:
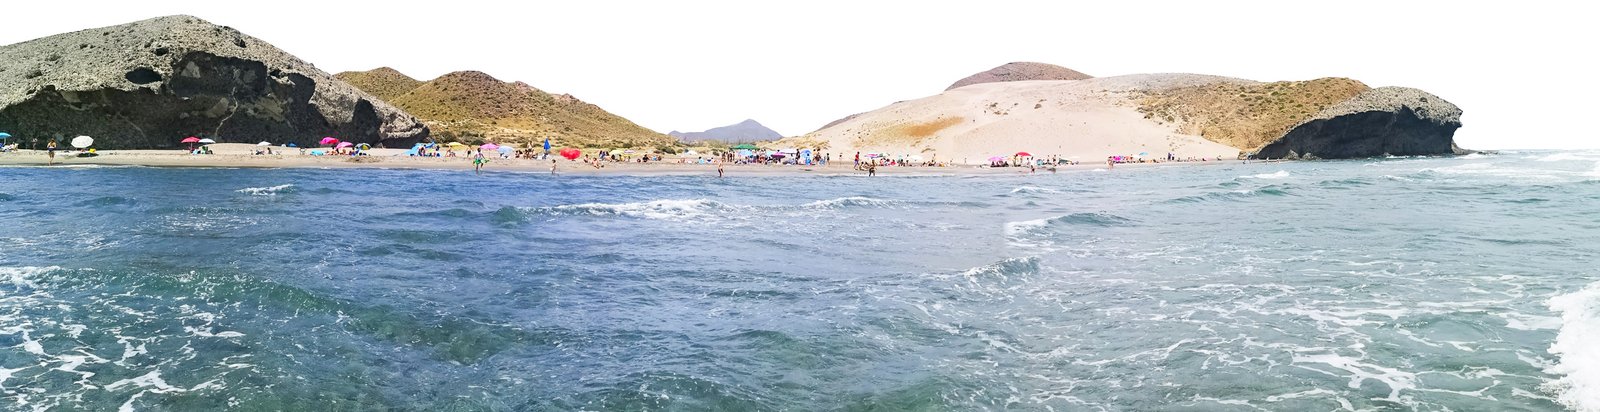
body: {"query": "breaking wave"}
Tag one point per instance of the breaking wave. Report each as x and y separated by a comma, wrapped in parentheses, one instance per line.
(1578, 345)
(1274, 175)
(267, 191)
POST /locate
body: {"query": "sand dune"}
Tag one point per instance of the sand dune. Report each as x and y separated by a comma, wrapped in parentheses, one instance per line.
(1084, 120)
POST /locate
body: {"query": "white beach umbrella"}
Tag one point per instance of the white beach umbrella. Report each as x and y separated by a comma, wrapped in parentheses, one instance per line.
(263, 144)
(82, 142)
(207, 141)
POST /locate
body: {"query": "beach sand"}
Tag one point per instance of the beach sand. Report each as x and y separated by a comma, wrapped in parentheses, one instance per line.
(240, 156)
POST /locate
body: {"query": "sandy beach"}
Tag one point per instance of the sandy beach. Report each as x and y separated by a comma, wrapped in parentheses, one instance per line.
(239, 155)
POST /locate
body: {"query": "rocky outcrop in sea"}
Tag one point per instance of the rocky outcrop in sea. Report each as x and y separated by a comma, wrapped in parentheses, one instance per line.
(150, 83)
(1384, 121)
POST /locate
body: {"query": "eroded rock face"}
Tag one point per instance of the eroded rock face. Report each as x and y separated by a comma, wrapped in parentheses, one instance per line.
(151, 83)
(1383, 121)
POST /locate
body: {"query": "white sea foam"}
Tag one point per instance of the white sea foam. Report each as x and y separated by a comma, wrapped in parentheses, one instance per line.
(1274, 175)
(1563, 156)
(1578, 346)
(1473, 156)
(669, 209)
(851, 201)
(1033, 189)
(266, 191)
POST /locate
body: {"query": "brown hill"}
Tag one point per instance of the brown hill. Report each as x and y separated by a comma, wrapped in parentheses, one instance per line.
(474, 106)
(1020, 71)
(1246, 116)
(386, 83)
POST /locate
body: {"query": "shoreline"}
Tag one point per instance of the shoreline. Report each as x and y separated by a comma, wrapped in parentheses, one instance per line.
(179, 159)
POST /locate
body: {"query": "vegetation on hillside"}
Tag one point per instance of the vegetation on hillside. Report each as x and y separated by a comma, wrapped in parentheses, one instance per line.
(1246, 116)
(473, 107)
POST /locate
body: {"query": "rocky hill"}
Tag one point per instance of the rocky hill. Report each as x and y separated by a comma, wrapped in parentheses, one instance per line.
(474, 106)
(386, 83)
(1021, 71)
(150, 83)
(1187, 115)
(745, 131)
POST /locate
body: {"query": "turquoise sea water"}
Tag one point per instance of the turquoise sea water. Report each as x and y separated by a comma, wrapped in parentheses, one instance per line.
(1428, 283)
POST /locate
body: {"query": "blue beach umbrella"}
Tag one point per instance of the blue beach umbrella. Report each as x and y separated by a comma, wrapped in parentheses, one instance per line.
(291, 145)
(4, 135)
(546, 144)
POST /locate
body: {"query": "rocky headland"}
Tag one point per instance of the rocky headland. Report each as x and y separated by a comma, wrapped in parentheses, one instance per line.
(150, 83)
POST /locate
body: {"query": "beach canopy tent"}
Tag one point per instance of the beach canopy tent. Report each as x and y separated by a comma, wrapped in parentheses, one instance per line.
(746, 153)
(207, 141)
(746, 146)
(329, 140)
(82, 142)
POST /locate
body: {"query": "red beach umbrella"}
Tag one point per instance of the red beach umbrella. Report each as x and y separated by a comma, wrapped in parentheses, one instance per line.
(191, 139)
(1024, 154)
(570, 153)
(329, 140)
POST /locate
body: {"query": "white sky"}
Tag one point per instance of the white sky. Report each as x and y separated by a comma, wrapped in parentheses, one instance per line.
(1522, 71)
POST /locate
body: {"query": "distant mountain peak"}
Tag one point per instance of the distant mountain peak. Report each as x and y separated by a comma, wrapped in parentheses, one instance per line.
(748, 130)
(1020, 71)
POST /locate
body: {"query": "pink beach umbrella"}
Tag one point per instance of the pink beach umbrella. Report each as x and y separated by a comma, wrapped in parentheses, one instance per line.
(489, 146)
(329, 140)
(342, 145)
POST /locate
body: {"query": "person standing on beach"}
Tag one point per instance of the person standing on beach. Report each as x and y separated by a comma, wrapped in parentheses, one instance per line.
(552, 167)
(50, 148)
(858, 159)
(478, 161)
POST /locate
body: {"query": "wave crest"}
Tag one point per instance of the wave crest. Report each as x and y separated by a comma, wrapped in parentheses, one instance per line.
(267, 191)
(1578, 345)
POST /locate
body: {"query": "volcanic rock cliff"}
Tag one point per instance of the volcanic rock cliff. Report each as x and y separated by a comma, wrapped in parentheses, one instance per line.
(150, 83)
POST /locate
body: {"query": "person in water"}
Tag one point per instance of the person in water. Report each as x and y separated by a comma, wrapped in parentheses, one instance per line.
(872, 169)
(50, 149)
(552, 167)
(719, 170)
(478, 161)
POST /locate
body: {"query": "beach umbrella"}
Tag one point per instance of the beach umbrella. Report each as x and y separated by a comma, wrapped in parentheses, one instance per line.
(191, 139)
(506, 150)
(342, 145)
(455, 144)
(489, 146)
(329, 140)
(263, 144)
(364, 147)
(82, 141)
(995, 159)
(570, 153)
(4, 135)
(547, 144)
(292, 145)
(1024, 154)
(207, 141)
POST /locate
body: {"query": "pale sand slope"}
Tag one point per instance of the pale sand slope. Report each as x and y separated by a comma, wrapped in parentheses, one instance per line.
(1084, 120)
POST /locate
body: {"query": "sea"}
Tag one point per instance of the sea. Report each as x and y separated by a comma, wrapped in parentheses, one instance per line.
(1450, 283)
